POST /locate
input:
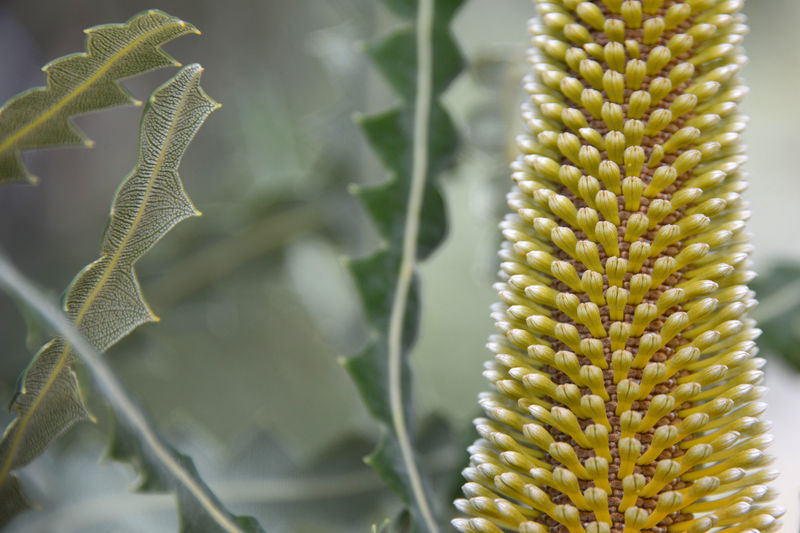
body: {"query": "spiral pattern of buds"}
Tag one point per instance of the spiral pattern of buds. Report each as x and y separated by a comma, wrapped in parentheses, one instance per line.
(626, 380)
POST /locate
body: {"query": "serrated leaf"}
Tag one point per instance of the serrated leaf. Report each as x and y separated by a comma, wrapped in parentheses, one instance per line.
(105, 304)
(411, 160)
(83, 82)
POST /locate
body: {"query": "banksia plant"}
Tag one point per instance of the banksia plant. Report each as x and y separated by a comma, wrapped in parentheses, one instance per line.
(626, 382)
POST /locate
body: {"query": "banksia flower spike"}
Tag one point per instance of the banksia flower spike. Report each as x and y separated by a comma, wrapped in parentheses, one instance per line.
(626, 380)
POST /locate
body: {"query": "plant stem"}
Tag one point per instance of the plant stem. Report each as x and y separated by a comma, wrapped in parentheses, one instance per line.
(409, 254)
(15, 284)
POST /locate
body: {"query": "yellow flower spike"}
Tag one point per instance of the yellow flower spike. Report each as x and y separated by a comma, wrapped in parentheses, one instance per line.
(623, 315)
(475, 525)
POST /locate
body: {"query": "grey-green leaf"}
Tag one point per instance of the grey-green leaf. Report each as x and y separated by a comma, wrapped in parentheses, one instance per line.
(105, 304)
(83, 82)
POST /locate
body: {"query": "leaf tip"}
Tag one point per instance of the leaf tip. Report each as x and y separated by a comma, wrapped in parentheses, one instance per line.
(197, 213)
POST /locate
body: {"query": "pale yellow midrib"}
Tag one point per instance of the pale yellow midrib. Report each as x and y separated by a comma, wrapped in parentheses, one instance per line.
(11, 141)
(23, 421)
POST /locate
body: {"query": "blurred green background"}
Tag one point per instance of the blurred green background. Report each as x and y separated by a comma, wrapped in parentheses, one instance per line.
(256, 307)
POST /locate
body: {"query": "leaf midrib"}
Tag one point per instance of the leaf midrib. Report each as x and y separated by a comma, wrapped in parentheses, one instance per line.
(62, 360)
(11, 141)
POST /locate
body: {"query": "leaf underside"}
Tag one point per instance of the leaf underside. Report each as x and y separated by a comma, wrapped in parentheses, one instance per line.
(83, 82)
(105, 303)
(390, 134)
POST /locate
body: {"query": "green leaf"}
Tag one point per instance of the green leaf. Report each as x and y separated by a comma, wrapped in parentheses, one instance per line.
(416, 142)
(83, 82)
(105, 304)
(778, 312)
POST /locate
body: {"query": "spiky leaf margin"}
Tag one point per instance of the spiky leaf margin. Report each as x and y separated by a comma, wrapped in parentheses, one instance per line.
(105, 303)
(83, 82)
(392, 134)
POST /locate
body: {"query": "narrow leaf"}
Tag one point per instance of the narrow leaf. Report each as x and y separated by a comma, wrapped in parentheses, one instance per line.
(105, 303)
(416, 141)
(83, 82)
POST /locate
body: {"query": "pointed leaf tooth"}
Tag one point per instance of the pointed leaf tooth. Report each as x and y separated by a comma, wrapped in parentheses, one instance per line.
(80, 83)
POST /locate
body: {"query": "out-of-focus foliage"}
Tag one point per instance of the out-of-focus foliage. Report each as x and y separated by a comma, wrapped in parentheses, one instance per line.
(778, 312)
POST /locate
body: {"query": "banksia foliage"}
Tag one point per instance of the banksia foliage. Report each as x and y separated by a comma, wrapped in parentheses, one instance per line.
(626, 378)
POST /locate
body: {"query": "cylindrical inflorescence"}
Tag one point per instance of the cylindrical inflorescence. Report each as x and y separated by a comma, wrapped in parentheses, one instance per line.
(626, 382)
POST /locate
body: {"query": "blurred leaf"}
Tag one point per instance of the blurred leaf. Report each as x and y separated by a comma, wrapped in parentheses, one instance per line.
(778, 312)
(83, 82)
(389, 294)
